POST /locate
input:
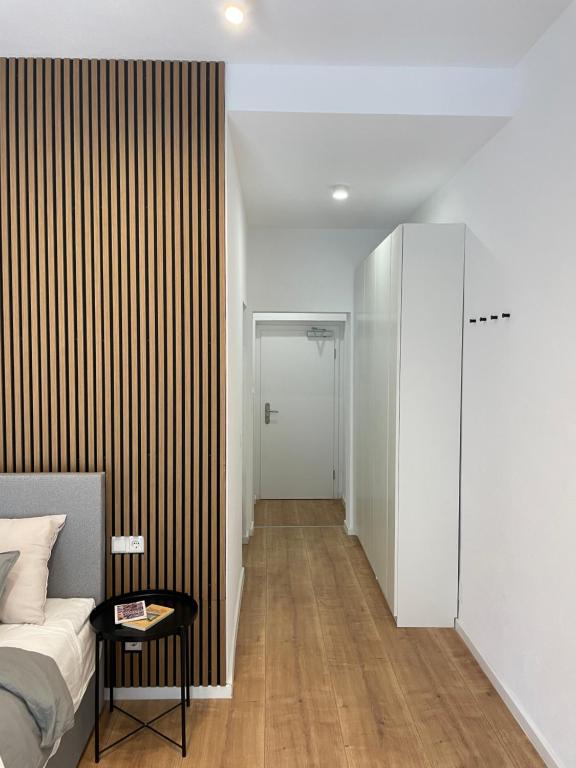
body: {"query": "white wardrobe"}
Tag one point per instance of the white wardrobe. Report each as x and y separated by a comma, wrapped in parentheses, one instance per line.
(408, 308)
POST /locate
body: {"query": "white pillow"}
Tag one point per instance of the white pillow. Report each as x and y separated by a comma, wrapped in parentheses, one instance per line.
(24, 594)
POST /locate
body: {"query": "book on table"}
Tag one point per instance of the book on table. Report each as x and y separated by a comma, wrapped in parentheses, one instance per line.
(154, 615)
(129, 611)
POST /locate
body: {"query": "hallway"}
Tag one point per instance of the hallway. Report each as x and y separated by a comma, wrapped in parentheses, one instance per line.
(323, 678)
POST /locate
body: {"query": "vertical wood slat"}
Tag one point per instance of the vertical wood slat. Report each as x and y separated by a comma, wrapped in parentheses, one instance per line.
(22, 271)
(33, 203)
(50, 236)
(195, 424)
(204, 431)
(4, 407)
(149, 116)
(112, 324)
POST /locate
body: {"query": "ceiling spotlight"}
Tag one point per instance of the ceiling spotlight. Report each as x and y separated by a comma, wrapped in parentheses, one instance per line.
(340, 193)
(234, 14)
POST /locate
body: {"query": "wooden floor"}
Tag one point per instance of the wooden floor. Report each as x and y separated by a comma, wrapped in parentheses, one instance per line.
(323, 678)
(299, 512)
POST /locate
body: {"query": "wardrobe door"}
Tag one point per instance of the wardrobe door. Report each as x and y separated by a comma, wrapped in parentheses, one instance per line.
(371, 447)
(379, 408)
(429, 437)
(358, 330)
(375, 365)
(393, 411)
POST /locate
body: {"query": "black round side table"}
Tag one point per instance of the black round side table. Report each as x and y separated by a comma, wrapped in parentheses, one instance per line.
(107, 631)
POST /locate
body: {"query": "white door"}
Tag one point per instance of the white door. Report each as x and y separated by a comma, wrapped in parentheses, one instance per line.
(297, 413)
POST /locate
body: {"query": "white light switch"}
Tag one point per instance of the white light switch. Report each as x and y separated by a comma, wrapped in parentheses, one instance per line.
(136, 544)
(119, 545)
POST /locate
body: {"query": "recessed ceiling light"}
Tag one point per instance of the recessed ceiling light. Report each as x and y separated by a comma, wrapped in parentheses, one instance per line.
(234, 14)
(340, 193)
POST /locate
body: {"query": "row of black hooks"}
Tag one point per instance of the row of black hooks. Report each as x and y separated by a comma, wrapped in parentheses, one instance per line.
(488, 318)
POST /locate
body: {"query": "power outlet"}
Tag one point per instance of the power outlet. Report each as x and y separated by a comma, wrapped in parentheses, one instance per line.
(136, 545)
(133, 647)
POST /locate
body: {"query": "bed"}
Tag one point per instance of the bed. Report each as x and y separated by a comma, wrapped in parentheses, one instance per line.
(76, 583)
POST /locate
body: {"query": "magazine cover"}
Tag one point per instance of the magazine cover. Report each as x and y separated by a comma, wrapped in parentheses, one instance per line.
(129, 611)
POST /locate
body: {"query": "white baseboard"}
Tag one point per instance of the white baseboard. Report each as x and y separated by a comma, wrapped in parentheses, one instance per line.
(145, 693)
(350, 530)
(246, 539)
(232, 659)
(523, 719)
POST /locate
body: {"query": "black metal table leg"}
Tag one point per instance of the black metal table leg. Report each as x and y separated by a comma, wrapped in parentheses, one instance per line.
(97, 702)
(112, 663)
(187, 649)
(183, 686)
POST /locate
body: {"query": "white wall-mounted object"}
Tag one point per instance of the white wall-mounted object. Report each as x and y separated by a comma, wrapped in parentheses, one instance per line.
(408, 316)
(127, 545)
(136, 545)
(119, 545)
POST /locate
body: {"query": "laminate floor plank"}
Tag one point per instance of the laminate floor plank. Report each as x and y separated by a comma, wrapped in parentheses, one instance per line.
(301, 734)
(244, 745)
(375, 718)
(250, 662)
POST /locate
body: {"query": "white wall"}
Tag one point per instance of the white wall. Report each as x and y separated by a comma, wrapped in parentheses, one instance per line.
(236, 298)
(305, 270)
(518, 579)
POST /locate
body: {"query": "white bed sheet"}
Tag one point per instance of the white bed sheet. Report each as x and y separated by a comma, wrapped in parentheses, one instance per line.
(65, 636)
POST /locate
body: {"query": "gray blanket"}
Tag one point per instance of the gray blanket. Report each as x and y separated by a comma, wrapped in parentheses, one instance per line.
(35, 705)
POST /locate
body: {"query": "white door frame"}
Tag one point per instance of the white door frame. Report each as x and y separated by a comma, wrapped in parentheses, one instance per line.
(344, 357)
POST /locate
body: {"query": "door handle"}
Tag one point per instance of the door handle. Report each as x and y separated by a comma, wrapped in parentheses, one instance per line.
(267, 412)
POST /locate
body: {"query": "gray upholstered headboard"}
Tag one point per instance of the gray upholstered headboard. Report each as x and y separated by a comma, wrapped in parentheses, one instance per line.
(77, 562)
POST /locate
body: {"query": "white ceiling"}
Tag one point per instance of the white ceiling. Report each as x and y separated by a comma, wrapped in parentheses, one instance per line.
(487, 33)
(287, 163)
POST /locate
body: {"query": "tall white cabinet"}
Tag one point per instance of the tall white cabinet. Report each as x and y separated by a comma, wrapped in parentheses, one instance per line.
(408, 307)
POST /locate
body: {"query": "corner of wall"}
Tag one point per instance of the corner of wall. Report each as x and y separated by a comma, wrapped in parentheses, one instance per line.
(235, 302)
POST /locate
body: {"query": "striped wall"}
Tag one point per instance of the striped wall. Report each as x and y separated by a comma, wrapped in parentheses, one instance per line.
(112, 326)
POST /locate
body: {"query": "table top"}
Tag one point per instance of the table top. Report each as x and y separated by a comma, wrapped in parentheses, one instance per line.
(185, 611)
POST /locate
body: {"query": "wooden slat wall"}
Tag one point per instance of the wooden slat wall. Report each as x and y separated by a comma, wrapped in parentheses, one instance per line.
(112, 318)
